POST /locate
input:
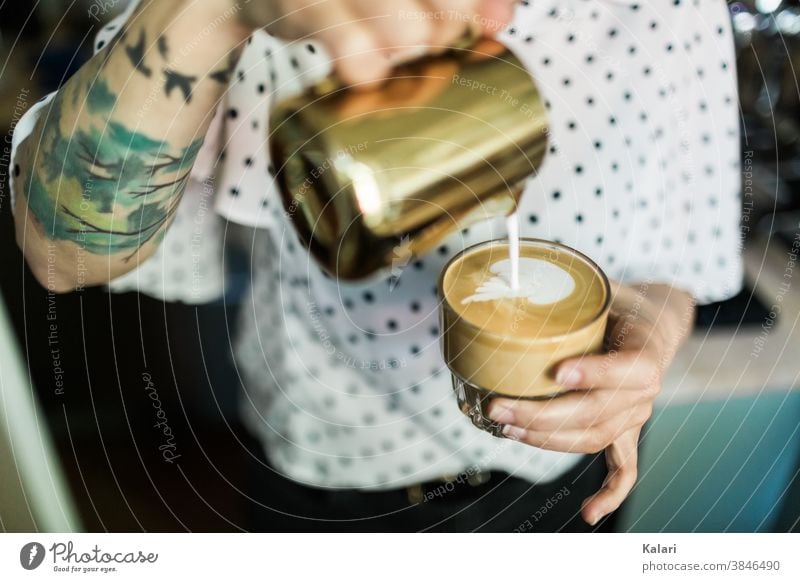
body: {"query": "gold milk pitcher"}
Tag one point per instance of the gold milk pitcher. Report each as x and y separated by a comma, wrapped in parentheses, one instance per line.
(446, 141)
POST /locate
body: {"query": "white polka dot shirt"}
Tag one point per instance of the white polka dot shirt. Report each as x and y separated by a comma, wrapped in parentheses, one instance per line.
(345, 382)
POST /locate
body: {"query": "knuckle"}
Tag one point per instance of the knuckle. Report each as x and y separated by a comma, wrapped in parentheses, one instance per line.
(358, 41)
(598, 440)
(592, 449)
(645, 412)
(587, 416)
(532, 419)
(650, 364)
(448, 33)
(420, 33)
(651, 388)
(607, 437)
(628, 479)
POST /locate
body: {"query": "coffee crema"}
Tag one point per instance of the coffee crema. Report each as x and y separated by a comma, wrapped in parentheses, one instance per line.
(506, 340)
(543, 305)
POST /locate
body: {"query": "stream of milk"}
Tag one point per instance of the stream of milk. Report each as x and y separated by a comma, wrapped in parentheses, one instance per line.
(513, 249)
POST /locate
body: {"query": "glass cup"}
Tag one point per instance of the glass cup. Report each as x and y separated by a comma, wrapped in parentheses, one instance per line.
(510, 345)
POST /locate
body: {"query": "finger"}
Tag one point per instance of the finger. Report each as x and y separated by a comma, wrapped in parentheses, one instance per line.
(589, 440)
(622, 459)
(354, 49)
(629, 370)
(454, 17)
(405, 26)
(579, 409)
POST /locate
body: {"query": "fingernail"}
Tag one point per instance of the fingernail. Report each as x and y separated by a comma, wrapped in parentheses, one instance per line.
(569, 376)
(501, 413)
(593, 520)
(514, 433)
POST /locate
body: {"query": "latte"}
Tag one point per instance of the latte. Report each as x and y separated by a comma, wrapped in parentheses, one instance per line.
(506, 339)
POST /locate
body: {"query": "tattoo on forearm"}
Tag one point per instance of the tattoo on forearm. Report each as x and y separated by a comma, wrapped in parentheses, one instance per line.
(163, 49)
(223, 76)
(176, 80)
(105, 186)
(136, 54)
(173, 79)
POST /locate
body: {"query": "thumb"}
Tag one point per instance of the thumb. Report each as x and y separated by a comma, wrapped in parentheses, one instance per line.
(622, 458)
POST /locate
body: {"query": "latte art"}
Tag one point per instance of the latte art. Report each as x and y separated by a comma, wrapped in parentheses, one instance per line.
(558, 291)
(540, 282)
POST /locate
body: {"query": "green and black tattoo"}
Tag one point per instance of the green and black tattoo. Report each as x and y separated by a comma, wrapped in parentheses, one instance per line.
(104, 186)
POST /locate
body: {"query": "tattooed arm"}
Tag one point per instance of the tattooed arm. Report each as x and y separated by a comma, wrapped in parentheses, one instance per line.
(101, 176)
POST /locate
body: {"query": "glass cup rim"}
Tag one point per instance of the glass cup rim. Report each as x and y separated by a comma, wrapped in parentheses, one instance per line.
(538, 242)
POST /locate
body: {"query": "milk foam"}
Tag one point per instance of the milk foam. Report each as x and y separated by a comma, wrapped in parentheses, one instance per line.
(540, 282)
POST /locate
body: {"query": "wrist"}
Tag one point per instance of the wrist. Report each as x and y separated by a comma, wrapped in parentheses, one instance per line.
(208, 28)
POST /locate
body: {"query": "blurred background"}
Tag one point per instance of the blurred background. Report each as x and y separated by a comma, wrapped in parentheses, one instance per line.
(722, 452)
